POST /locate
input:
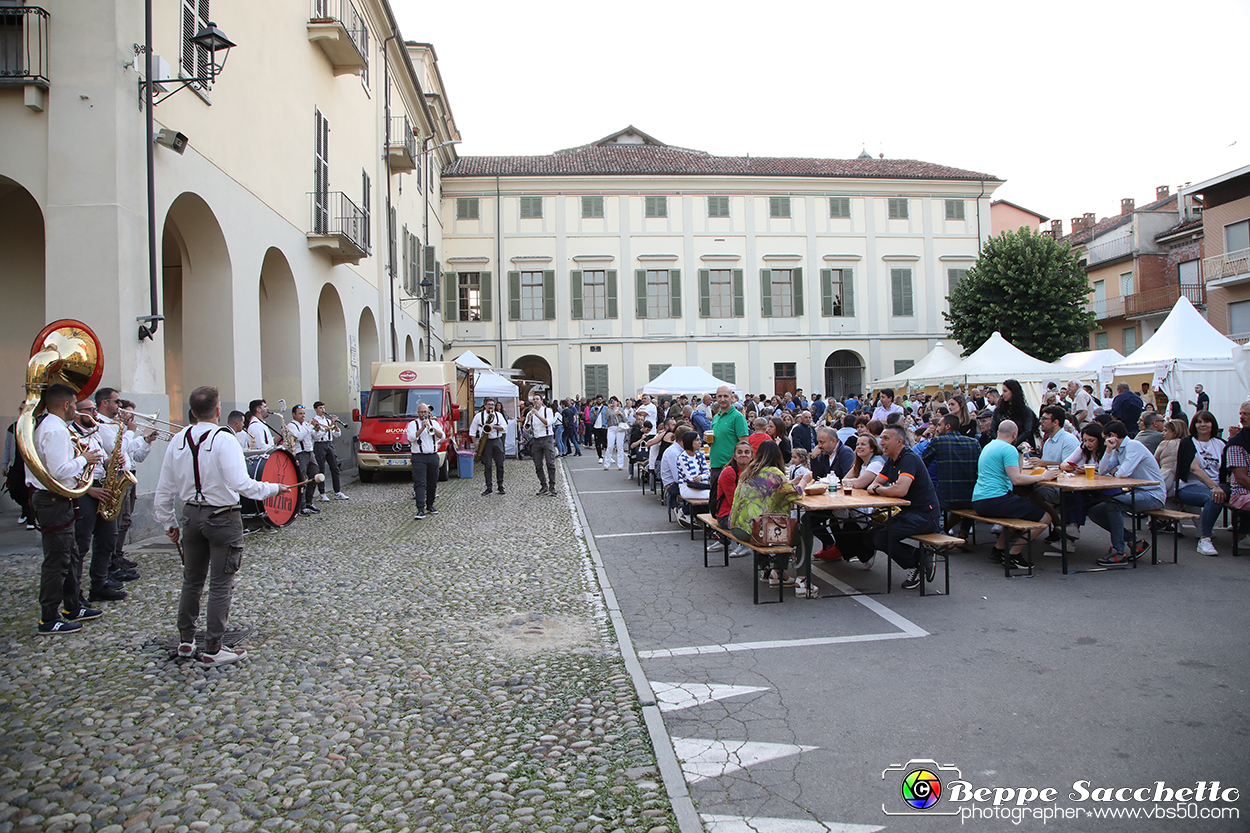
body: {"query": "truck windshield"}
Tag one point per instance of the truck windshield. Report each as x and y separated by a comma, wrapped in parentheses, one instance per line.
(401, 403)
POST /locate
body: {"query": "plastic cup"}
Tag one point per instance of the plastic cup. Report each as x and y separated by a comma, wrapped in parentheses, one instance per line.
(1090, 471)
(1039, 470)
(709, 437)
(847, 487)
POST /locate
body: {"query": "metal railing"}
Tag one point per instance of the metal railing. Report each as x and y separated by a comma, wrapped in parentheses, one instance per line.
(1227, 265)
(1164, 298)
(401, 135)
(344, 12)
(1107, 308)
(24, 45)
(1112, 249)
(334, 214)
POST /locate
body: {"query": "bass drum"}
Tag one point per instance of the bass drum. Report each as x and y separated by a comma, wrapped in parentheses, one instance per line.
(274, 466)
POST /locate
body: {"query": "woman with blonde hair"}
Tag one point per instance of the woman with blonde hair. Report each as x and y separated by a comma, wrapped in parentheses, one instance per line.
(1174, 430)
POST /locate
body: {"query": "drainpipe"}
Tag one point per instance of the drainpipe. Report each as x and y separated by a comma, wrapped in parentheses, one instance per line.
(149, 324)
(979, 244)
(499, 260)
(390, 220)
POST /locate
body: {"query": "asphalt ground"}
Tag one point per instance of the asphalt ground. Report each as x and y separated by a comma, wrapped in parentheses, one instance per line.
(794, 716)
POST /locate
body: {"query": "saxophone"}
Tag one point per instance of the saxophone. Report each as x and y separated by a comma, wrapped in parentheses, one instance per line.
(117, 479)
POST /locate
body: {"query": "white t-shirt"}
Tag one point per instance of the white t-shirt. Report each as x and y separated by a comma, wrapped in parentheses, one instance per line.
(1208, 456)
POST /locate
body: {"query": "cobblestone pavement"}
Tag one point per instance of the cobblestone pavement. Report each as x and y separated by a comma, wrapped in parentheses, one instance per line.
(452, 674)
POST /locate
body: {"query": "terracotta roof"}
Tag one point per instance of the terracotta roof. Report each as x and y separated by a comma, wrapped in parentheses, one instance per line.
(661, 160)
(1108, 223)
(1182, 228)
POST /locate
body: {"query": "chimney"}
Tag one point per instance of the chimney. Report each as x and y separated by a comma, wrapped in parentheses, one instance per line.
(1090, 220)
(1078, 224)
(1162, 192)
(1126, 206)
(1056, 229)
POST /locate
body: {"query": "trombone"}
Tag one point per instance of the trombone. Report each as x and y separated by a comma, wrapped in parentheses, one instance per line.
(164, 429)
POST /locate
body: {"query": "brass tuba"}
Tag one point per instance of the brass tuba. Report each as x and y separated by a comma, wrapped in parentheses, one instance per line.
(65, 352)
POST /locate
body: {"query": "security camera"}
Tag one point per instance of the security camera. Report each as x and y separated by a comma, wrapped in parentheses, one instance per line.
(172, 139)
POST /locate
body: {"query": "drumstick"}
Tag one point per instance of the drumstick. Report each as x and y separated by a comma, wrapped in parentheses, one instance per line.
(320, 478)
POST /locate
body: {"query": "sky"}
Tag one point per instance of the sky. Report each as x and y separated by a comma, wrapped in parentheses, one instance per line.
(1075, 104)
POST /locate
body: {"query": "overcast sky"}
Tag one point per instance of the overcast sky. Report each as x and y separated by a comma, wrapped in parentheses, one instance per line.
(1075, 104)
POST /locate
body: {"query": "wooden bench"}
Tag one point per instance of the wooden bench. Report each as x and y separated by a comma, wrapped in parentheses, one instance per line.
(695, 504)
(936, 545)
(763, 555)
(1017, 527)
(1177, 516)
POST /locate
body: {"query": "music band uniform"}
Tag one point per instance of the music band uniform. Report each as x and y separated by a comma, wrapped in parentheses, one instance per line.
(302, 446)
(424, 435)
(325, 432)
(541, 422)
(491, 427)
(92, 532)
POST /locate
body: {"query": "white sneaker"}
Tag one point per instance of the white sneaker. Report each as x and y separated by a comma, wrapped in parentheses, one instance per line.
(341, 496)
(995, 529)
(739, 550)
(325, 498)
(223, 656)
(186, 650)
(1205, 547)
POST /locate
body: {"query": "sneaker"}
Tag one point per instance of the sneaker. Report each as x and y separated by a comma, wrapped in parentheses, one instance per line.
(501, 489)
(1140, 548)
(22, 520)
(325, 498)
(224, 655)
(58, 627)
(420, 516)
(553, 493)
(81, 614)
(186, 650)
(996, 528)
(1206, 547)
(830, 553)
(106, 594)
(930, 570)
(683, 521)
(540, 493)
(805, 591)
(1114, 559)
(314, 509)
(124, 575)
(430, 510)
(30, 526)
(739, 551)
(913, 579)
(341, 496)
(997, 555)
(127, 563)
(1020, 561)
(869, 561)
(306, 510)
(488, 492)
(1053, 535)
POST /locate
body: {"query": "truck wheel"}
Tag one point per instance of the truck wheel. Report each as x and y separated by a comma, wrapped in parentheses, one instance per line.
(366, 475)
(443, 472)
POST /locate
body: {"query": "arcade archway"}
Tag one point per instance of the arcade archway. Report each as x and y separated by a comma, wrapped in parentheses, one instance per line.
(844, 375)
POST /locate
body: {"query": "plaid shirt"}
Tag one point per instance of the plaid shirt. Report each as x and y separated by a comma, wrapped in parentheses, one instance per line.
(956, 457)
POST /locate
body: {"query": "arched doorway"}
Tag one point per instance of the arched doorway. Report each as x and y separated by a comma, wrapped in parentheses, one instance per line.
(410, 352)
(279, 331)
(534, 370)
(198, 304)
(844, 375)
(23, 313)
(333, 379)
(367, 335)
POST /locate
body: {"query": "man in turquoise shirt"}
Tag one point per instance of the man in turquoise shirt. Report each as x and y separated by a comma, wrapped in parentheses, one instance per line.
(729, 426)
(998, 472)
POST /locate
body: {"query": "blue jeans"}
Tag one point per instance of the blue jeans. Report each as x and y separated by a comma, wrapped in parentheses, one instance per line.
(1193, 493)
(560, 446)
(1109, 514)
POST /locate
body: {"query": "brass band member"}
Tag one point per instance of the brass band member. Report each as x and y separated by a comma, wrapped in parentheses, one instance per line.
(137, 446)
(490, 426)
(326, 429)
(263, 437)
(94, 533)
(300, 431)
(424, 435)
(541, 421)
(203, 475)
(236, 422)
(60, 595)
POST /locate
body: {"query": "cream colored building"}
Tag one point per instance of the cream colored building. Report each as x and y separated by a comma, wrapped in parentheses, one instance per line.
(275, 279)
(593, 269)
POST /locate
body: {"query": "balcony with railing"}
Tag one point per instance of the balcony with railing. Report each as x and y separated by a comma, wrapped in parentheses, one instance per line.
(1104, 308)
(1107, 250)
(339, 29)
(1230, 267)
(1160, 301)
(401, 144)
(340, 228)
(24, 52)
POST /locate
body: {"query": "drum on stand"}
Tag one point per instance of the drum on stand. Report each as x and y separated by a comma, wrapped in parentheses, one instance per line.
(277, 465)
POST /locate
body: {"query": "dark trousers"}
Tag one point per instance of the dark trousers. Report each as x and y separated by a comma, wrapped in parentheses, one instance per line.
(123, 527)
(328, 462)
(492, 453)
(59, 577)
(97, 535)
(307, 469)
(424, 480)
(713, 498)
(544, 451)
(212, 549)
(903, 526)
(601, 441)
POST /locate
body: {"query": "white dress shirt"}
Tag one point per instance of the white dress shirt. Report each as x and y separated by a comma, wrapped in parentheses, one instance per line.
(134, 447)
(56, 449)
(94, 439)
(302, 433)
(489, 425)
(537, 416)
(424, 439)
(223, 474)
(324, 429)
(261, 434)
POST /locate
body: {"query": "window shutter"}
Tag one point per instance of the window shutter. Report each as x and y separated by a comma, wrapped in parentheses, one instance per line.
(796, 279)
(514, 296)
(640, 290)
(575, 292)
(740, 310)
(901, 280)
(452, 297)
(610, 280)
(848, 293)
(826, 292)
(405, 282)
(484, 284)
(674, 293)
(766, 293)
(705, 293)
(549, 294)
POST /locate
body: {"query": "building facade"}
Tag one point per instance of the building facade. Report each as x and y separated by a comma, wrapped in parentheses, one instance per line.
(1226, 236)
(594, 269)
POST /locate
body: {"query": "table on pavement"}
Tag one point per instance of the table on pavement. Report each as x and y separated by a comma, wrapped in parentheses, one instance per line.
(1079, 482)
(831, 501)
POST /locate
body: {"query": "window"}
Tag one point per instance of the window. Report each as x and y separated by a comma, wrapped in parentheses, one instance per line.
(1237, 237)
(837, 288)
(193, 59)
(778, 206)
(725, 371)
(840, 208)
(593, 293)
(466, 208)
(1130, 340)
(414, 264)
(1239, 318)
(1100, 341)
(654, 370)
(902, 364)
(900, 292)
(531, 296)
(1126, 284)
(366, 192)
(531, 208)
(898, 208)
(785, 378)
(718, 206)
(954, 209)
(720, 293)
(321, 174)
(781, 293)
(657, 206)
(597, 381)
(954, 277)
(470, 296)
(1189, 273)
(658, 293)
(592, 207)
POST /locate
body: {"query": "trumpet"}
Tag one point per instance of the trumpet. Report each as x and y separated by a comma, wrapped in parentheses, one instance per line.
(164, 429)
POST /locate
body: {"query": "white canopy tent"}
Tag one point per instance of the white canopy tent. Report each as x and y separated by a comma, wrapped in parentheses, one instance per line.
(936, 363)
(996, 361)
(471, 360)
(1187, 351)
(686, 379)
(1090, 365)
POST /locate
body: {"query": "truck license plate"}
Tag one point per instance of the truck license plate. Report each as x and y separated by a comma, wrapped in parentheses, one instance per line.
(398, 462)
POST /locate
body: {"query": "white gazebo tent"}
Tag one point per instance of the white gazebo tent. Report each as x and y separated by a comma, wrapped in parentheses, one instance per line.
(937, 362)
(471, 360)
(685, 379)
(996, 361)
(489, 383)
(1187, 351)
(1091, 364)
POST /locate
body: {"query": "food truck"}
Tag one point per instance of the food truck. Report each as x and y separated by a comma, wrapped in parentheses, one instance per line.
(396, 389)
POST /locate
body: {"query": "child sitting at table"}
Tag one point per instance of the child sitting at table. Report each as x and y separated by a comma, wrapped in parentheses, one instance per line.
(799, 467)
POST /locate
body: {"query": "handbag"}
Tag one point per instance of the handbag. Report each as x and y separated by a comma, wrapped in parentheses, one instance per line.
(773, 530)
(698, 485)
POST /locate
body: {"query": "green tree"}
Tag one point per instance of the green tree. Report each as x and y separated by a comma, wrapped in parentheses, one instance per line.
(1029, 287)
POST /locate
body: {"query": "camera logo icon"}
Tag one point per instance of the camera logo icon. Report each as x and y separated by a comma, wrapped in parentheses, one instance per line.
(920, 786)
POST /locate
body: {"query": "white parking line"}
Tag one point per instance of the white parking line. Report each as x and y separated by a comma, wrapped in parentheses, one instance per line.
(632, 534)
(606, 492)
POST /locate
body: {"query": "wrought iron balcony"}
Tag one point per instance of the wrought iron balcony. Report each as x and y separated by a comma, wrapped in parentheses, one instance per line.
(401, 144)
(339, 29)
(24, 51)
(1160, 301)
(1113, 249)
(1229, 266)
(1107, 308)
(339, 227)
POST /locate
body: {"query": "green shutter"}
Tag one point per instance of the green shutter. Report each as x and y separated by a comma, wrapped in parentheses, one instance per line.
(640, 291)
(826, 292)
(766, 293)
(740, 305)
(575, 292)
(901, 280)
(610, 280)
(796, 277)
(484, 284)
(705, 293)
(674, 293)
(549, 294)
(848, 293)
(514, 296)
(451, 297)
